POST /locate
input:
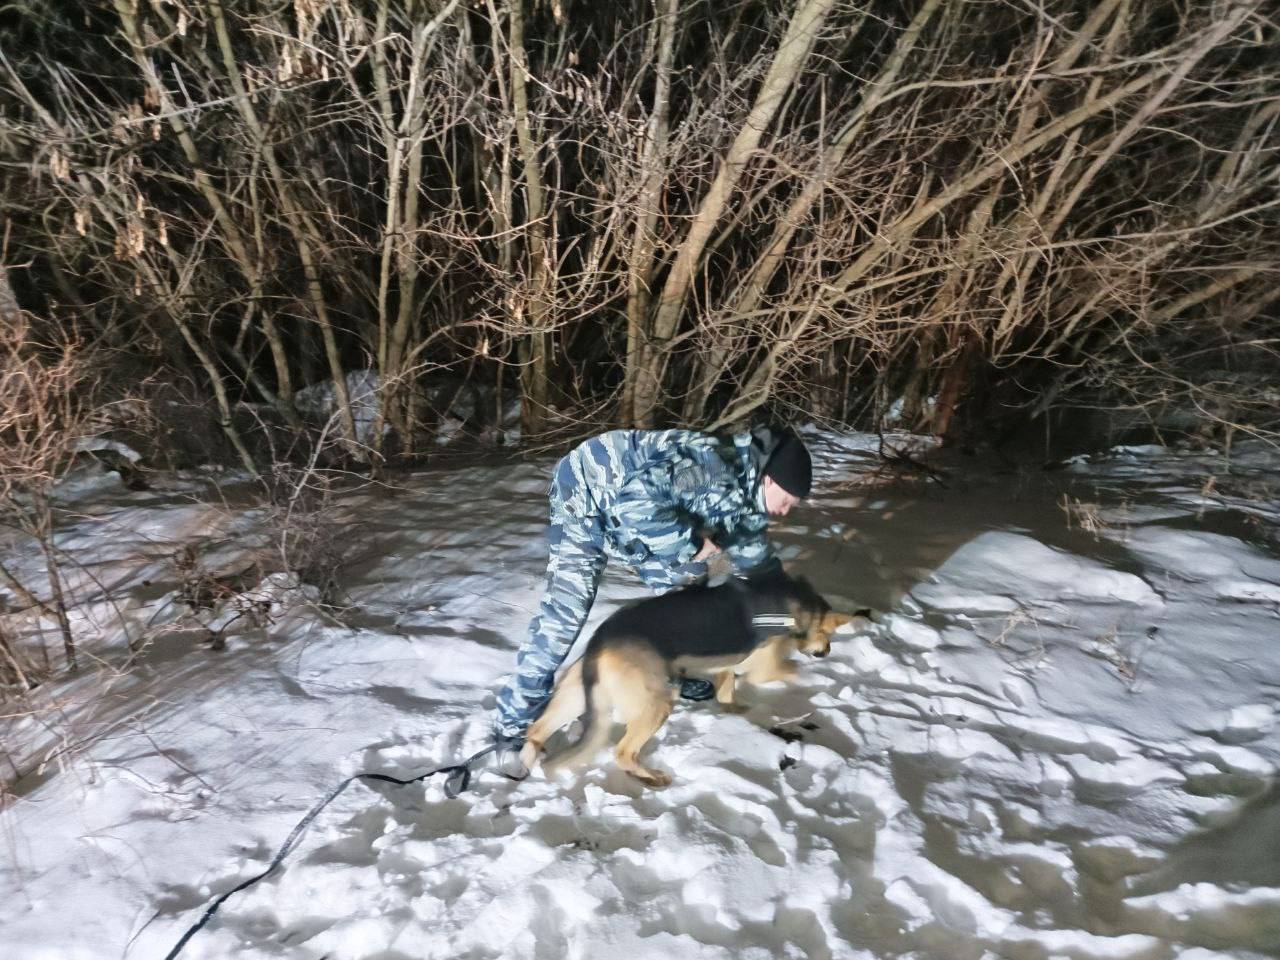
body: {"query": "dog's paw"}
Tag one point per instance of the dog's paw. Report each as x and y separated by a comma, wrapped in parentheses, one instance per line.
(557, 773)
(651, 778)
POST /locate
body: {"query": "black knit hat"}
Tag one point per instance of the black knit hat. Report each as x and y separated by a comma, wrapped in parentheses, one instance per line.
(789, 465)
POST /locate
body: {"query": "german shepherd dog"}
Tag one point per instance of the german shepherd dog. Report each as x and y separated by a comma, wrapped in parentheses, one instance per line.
(742, 626)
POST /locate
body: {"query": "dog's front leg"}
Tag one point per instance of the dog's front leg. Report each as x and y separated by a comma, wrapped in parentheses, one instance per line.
(769, 662)
(726, 687)
(725, 684)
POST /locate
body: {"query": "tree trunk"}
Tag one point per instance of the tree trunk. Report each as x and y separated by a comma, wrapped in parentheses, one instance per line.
(535, 368)
(792, 54)
(644, 244)
(956, 385)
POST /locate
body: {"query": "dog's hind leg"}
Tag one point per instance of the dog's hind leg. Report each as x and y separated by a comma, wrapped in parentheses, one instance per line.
(597, 722)
(726, 690)
(641, 695)
(640, 729)
(567, 704)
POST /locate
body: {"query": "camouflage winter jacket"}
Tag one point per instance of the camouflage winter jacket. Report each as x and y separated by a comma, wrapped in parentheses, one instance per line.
(660, 492)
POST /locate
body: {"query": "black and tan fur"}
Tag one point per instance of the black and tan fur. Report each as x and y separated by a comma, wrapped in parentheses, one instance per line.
(631, 659)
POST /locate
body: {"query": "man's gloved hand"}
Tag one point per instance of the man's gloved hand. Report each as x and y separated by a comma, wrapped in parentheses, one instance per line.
(708, 549)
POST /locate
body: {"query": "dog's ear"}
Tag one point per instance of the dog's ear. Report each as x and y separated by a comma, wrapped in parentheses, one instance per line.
(807, 595)
(804, 613)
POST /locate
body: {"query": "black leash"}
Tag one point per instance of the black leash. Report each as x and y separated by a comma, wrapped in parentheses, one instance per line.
(458, 780)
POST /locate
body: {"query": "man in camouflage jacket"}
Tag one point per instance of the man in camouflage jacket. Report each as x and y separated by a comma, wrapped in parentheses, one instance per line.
(662, 501)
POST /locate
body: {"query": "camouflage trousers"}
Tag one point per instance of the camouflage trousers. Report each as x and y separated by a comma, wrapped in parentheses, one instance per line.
(578, 538)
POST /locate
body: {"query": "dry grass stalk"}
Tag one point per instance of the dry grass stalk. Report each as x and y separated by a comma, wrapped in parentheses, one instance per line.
(42, 415)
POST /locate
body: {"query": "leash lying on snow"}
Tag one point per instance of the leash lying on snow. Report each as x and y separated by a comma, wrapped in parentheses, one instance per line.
(458, 780)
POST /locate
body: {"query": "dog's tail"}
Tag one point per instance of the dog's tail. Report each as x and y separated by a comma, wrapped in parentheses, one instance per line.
(595, 722)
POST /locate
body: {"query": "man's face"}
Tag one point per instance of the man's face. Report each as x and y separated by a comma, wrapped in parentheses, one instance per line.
(776, 500)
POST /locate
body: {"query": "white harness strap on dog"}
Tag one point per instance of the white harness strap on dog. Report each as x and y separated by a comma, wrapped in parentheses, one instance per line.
(767, 620)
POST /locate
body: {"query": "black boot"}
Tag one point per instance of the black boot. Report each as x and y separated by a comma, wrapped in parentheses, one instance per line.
(691, 689)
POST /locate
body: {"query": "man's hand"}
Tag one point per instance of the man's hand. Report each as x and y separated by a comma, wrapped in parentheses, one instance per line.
(709, 549)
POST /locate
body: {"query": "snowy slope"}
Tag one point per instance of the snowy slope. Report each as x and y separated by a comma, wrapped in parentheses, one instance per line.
(1056, 743)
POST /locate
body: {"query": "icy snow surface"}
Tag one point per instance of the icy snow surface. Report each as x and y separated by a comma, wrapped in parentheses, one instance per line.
(1056, 743)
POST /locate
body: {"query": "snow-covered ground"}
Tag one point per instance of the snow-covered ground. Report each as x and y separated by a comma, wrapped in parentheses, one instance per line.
(1060, 741)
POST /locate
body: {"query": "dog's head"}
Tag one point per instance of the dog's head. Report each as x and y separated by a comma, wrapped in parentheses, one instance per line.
(816, 621)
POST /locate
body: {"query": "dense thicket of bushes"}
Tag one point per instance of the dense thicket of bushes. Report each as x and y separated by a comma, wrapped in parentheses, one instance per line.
(651, 211)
